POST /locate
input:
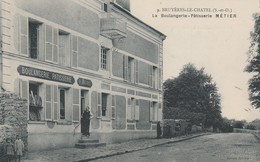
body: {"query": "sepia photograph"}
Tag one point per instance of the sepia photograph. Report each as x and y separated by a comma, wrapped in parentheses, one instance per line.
(129, 81)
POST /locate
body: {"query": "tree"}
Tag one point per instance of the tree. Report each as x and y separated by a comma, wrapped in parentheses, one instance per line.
(253, 66)
(194, 96)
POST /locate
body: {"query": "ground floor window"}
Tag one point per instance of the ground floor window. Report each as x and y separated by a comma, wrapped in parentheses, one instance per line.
(35, 101)
(104, 104)
(62, 103)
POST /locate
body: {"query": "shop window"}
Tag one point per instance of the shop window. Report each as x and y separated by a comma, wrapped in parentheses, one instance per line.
(64, 57)
(34, 39)
(35, 102)
(104, 58)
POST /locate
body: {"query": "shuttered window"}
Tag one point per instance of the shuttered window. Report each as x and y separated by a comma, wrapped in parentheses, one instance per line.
(48, 103)
(76, 106)
(137, 112)
(74, 51)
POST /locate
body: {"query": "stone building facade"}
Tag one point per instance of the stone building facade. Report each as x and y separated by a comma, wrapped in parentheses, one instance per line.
(64, 55)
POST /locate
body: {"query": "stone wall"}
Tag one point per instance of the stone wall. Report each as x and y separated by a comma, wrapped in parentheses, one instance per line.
(13, 118)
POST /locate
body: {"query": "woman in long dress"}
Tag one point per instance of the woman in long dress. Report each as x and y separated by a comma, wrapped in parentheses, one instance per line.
(85, 121)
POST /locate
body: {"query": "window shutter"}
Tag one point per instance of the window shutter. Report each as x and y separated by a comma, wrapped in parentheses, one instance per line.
(24, 90)
(156, 112)
(48, 43)
(16, 33)
(160, 79)
(133, 109)
(55, 45)
(151, 111)
(99, 106)
(129, 106)
(74, 51)
(136, 71)
(42, 42)
(55, 102)
(125, 66)
(113, 107)
(48, 105)
(76, 107)
(137, 110)
(150, 75)
(24, 35)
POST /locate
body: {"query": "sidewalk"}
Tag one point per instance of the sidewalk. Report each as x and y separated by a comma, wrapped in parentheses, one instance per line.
(81, 155)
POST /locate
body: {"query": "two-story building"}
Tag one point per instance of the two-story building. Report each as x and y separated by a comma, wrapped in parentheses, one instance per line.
(64, 55)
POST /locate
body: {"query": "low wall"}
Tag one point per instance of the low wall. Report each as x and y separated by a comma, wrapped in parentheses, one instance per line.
(47, 141)
(13, 117)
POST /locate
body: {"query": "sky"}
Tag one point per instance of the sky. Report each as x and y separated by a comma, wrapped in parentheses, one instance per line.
(218, 44)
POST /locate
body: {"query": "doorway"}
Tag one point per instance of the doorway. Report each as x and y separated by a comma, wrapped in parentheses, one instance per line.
(84, 102)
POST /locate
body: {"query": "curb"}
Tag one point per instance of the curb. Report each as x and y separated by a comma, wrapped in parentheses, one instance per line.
(140, 149)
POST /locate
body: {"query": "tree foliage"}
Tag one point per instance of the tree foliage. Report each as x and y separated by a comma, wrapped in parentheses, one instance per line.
(194, 96)
(253, 65)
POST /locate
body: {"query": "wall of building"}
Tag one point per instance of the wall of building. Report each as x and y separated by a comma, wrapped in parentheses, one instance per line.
(138, 46)
(64, 12)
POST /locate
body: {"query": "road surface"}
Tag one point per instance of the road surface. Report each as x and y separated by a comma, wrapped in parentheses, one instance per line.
(230, 147)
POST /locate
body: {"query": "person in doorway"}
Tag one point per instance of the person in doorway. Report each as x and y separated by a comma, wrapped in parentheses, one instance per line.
(19, 148)
(85, 121)
(9, 150)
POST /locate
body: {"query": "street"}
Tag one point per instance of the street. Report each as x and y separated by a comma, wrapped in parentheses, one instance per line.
(231, 147)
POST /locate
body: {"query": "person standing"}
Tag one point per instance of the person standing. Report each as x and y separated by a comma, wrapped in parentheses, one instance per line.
(85, 121)
(159, 130)
(9, 150)
(19, 147)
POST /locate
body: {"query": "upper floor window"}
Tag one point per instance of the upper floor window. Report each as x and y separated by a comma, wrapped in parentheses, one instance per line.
(104, 58)
(64, 44)
(34, 39)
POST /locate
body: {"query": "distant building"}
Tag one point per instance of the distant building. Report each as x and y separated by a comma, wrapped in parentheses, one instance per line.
(64, 55)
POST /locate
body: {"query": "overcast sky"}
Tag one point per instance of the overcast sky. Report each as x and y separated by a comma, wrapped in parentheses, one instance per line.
(218, 44)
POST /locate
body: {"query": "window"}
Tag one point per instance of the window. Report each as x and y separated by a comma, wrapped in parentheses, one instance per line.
(62, 103)
(153, 111)
(64, 56)
(35, 102)
(105, 7)
(154, 78)
(104, 104)
(33, 39)
(128, 68)
(131, 109)
(104, 58)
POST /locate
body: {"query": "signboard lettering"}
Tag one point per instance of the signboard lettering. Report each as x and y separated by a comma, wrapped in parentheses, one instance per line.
(43, 74)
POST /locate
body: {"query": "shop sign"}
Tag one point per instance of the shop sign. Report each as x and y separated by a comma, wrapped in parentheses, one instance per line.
(43, 74)
(84, 82)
